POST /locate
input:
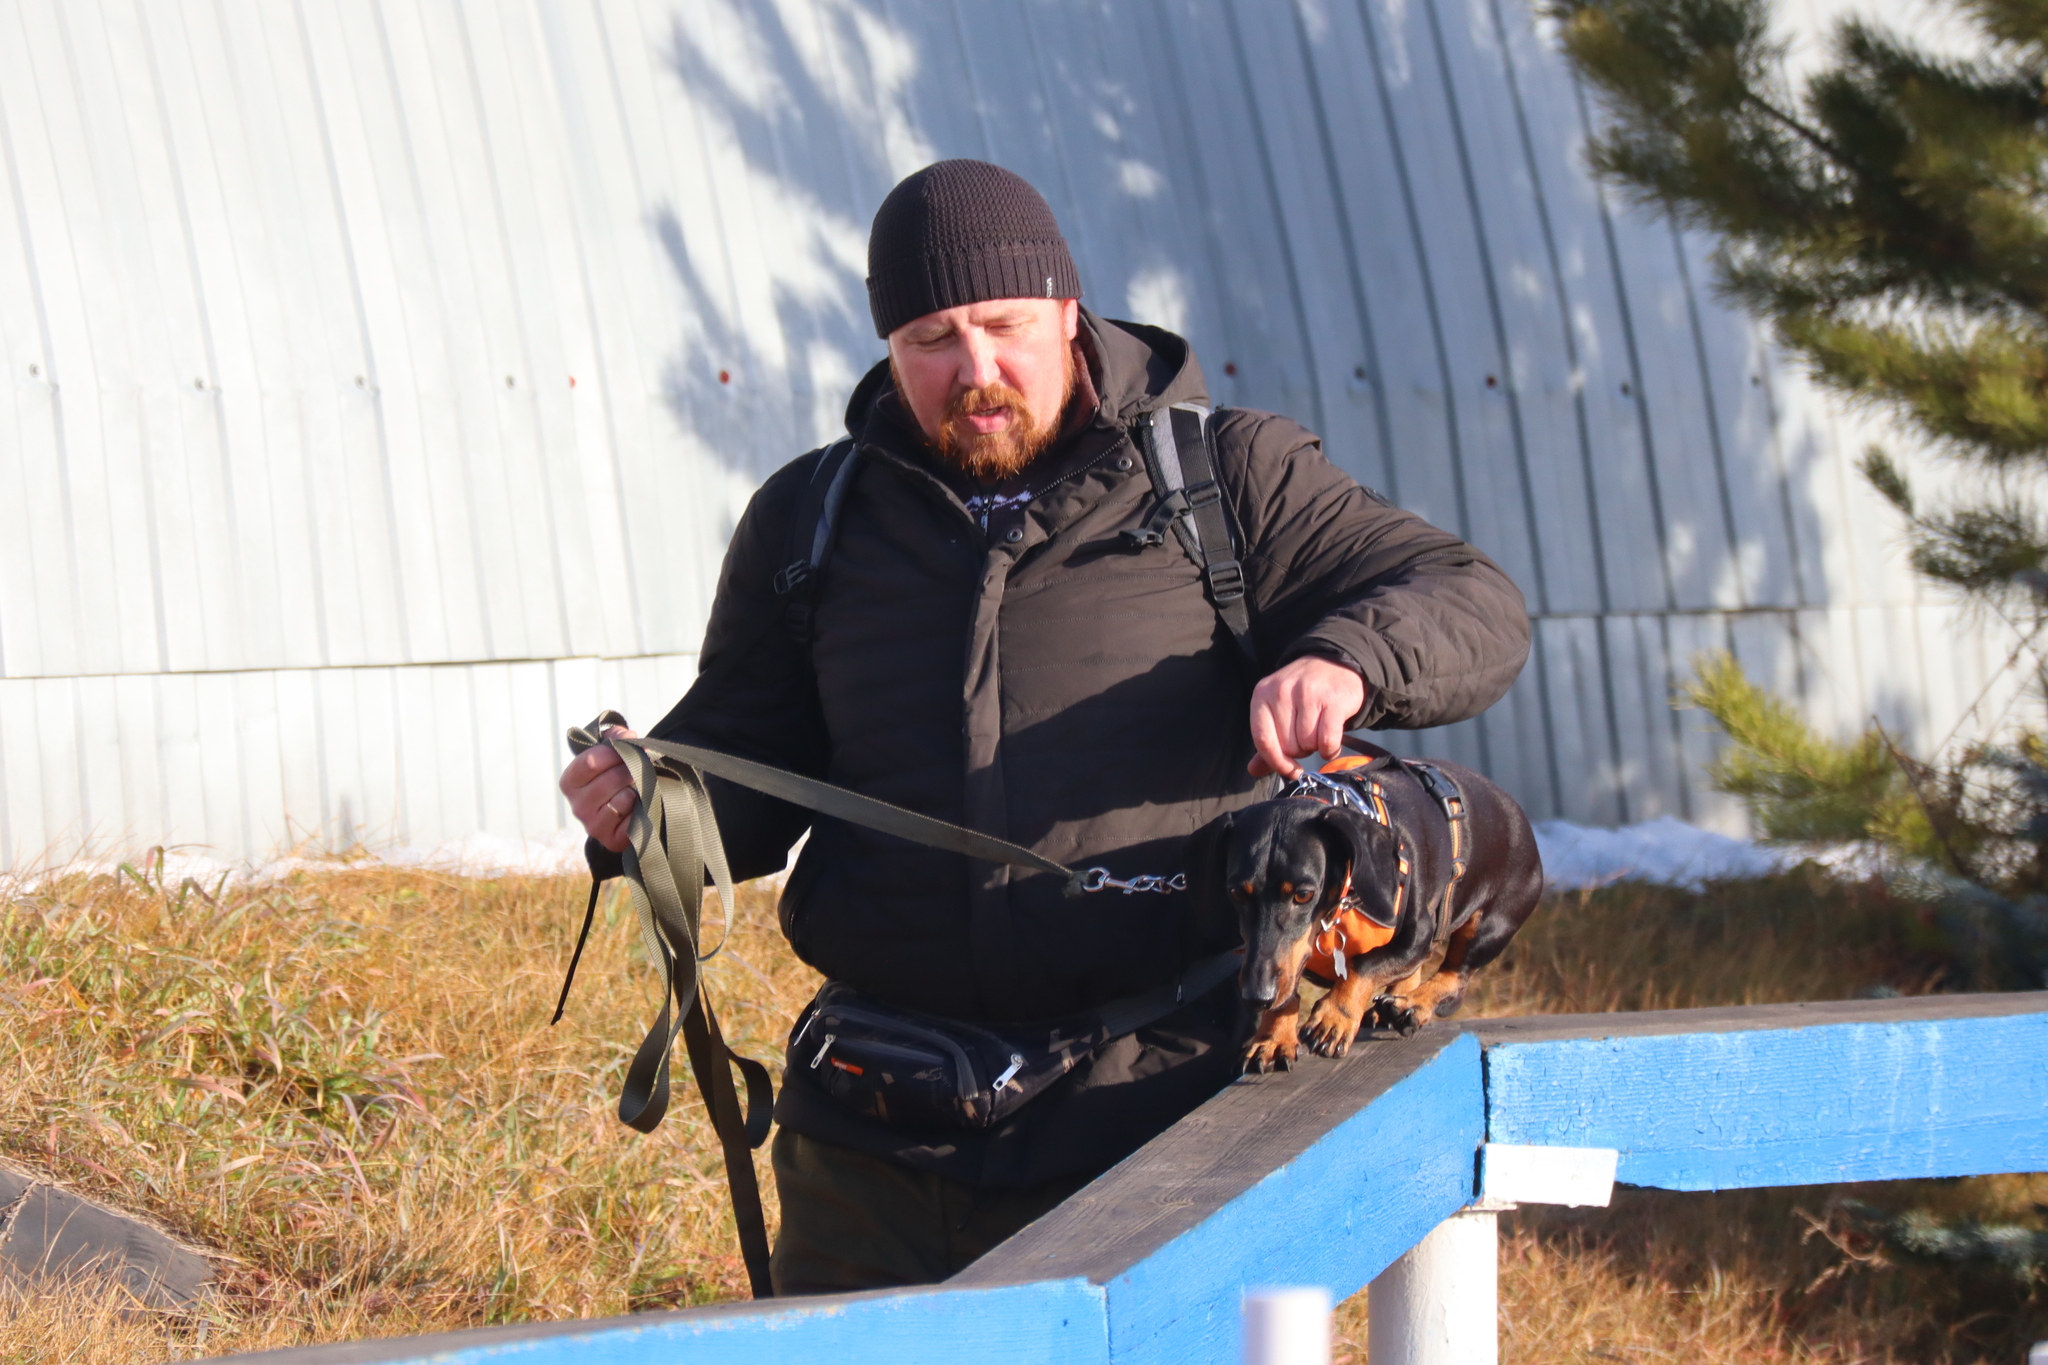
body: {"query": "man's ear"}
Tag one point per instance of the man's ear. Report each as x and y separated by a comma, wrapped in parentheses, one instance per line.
(1371, 853)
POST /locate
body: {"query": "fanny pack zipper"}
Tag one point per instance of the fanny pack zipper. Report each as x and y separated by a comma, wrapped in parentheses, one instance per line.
(959, 1053)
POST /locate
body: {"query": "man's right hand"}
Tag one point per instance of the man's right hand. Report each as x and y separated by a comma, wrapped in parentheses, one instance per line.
(600, 791)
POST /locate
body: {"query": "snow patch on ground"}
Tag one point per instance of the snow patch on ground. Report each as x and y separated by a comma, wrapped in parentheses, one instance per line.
(1663, 850)
(474, 855)
(1674, 853)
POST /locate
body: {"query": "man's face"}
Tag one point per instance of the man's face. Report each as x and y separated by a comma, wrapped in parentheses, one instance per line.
(987, 382)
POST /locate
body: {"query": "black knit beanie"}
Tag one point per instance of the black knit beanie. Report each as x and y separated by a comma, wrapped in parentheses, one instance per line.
(960, 232)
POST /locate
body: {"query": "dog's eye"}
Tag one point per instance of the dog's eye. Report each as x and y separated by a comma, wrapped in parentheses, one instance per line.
(1304, 897)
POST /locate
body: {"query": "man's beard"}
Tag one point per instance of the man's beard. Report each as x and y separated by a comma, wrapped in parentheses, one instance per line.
(994, 456)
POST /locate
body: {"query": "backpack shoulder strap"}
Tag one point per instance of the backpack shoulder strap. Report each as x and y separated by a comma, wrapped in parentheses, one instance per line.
(811, 533)
(1180, 457)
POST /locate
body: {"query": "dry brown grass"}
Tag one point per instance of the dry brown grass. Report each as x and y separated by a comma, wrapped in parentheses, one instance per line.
(346, 1086)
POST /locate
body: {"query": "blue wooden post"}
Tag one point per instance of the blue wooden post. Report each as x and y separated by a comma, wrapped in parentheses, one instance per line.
(1325, 1175)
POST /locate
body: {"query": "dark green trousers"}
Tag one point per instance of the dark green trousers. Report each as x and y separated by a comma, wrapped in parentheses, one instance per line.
(852, 1221)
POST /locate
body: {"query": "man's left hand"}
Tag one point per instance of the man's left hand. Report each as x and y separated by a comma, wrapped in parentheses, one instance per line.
(1301, 709)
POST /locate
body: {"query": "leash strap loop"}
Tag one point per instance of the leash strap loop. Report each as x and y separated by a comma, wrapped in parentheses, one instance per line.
(673, 841)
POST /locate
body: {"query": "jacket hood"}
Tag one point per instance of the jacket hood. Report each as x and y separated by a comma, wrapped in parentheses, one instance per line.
(1137, 368)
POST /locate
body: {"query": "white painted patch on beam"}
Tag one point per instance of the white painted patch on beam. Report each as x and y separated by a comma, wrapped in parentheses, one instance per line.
(1581, 1177)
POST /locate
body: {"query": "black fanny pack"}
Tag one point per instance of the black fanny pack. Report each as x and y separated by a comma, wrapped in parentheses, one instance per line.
(917, 1070)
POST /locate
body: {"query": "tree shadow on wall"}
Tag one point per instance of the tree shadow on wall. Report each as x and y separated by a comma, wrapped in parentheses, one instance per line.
(1212, 170)
(805, 114)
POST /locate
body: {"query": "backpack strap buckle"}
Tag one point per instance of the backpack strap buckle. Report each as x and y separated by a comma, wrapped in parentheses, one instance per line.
(1226, 581)
(792, 577)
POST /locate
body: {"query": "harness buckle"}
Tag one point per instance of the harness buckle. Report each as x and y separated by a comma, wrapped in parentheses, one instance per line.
(791, 577)
(1226, 580)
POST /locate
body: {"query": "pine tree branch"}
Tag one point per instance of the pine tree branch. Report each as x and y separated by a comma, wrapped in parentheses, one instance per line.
(1910, 770)
(1812, 135)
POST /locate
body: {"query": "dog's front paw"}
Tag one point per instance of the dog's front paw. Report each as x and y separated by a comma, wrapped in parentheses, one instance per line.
(1268, 1054)
(1329, 1029)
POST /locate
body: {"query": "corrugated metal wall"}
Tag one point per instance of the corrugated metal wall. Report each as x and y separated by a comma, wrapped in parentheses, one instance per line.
(384, 379)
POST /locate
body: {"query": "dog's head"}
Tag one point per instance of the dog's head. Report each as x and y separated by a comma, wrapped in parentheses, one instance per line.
(1282, 864)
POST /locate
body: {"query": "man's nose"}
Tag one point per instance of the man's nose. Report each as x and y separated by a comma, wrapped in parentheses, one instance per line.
(978, 367)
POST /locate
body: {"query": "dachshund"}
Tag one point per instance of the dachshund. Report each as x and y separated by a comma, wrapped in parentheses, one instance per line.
(1391, 881)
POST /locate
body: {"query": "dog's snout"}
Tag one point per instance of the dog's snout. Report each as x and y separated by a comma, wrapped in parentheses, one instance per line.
(1260, 980)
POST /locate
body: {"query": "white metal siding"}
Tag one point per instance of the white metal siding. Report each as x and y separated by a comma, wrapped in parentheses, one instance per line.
(384, 379)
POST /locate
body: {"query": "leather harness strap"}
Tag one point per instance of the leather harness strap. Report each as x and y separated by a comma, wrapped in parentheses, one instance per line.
(1348, 932)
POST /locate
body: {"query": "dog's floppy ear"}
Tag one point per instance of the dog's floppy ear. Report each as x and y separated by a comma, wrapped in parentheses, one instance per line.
(1372, 853)
(1212, 914)
(1203, 856)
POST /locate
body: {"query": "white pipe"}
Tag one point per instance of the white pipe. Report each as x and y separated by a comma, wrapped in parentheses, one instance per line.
(1439, 1304)
(1287, 1327)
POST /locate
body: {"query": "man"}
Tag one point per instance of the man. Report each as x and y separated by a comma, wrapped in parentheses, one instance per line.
(986, 648)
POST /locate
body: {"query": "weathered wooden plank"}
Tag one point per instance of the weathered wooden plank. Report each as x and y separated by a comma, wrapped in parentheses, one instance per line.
(1371, 1152)
(1057, 1323)
(1782, 1095)
(1539, 1028)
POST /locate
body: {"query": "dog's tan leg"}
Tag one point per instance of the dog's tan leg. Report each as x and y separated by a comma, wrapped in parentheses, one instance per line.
(1416, 1002)
(1335, 1020)
(1273, 1047)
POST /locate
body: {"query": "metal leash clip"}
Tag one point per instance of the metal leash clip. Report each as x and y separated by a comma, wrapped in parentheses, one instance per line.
(1314, 785)
(1098, 879)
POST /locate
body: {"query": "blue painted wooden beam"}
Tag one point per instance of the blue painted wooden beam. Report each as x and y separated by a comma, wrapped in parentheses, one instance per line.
(1327, 1174)
(1323, 1176)
(1059, 1322)
(1785, 1094)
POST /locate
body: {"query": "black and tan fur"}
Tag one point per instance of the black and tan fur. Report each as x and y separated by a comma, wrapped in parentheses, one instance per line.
(1283, 864)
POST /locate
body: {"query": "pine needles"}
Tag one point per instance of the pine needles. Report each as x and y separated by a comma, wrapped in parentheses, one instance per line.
(1886, 216)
